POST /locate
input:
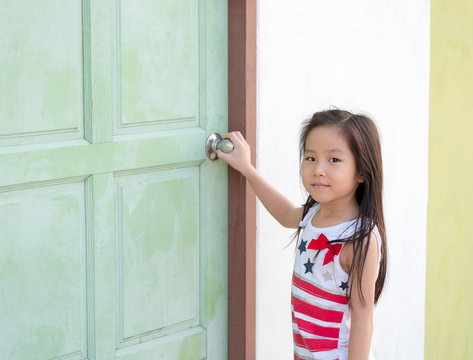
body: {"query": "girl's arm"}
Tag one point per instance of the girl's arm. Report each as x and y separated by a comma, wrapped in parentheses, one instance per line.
(281, 208)
(361, 329)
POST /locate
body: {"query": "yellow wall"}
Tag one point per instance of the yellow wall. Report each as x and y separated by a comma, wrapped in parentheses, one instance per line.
(449, 292)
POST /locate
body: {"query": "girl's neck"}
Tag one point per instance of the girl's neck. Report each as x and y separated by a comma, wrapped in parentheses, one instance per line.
(330, 215)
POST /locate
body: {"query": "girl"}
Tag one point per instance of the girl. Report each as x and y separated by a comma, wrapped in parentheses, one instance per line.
(340, 263)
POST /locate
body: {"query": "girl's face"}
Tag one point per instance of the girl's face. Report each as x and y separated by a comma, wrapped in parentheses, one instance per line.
(329, 170)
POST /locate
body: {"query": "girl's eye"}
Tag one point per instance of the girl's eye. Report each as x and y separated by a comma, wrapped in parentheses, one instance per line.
(310, 158)
(334, 160)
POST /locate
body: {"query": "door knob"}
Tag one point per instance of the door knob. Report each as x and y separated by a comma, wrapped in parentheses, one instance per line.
(216, 142)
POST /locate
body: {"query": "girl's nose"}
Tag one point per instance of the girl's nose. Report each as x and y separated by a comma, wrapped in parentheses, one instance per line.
(318, 169)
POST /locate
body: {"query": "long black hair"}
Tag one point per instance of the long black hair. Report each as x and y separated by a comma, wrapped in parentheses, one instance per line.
(363, 140)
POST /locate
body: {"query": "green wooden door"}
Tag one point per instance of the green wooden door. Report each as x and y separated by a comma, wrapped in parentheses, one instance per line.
(112, 222)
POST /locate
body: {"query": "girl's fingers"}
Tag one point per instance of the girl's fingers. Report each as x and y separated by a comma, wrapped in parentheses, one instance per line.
(222, 155)
(240, 157)
(240, 146)
(240, 136)
(231, 136)
(228, 159)
(235, 137)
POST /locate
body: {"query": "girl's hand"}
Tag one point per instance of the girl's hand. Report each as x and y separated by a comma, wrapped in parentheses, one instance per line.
(240, 157)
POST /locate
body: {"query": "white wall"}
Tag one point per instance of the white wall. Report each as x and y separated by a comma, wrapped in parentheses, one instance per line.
(369, 56)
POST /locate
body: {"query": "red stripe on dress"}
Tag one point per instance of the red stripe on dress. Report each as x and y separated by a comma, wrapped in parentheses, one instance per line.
(298, 340)
(314, 345)
(302, 307)
(315, 329)
(314, 290)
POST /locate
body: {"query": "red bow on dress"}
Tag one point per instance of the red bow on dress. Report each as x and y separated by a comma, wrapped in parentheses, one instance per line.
(322, 243)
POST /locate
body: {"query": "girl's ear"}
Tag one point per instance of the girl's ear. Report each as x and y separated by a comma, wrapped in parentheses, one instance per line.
(360, 178)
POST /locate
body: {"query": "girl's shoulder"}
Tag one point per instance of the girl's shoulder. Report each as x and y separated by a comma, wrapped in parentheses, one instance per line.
(310, 214)
(335, 232)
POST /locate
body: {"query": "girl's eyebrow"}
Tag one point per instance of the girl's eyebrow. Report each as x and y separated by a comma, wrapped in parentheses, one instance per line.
(335, 151)
(327, 151)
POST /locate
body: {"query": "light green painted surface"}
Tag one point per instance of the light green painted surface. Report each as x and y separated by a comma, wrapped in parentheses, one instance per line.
(114, 238)
(42, 268)
(448, 328)
(169, 246)
(160, 66)
(33, 68)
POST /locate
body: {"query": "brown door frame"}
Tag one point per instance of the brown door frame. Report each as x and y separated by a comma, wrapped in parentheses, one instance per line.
(241, 199)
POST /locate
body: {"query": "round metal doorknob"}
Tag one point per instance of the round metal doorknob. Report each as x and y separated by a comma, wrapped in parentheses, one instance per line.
(216, 142)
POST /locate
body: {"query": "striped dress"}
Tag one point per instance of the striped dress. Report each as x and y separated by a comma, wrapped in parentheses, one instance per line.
(320, 311)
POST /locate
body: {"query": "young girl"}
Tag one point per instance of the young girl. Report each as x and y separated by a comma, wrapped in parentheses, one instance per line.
(340, 263)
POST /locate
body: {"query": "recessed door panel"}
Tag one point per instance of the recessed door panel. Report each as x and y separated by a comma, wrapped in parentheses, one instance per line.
(43, 272)
(159, 263)
(159, 61)
(41, 77)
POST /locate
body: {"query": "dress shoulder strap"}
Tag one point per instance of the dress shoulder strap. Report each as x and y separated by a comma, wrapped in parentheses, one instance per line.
(310, 214)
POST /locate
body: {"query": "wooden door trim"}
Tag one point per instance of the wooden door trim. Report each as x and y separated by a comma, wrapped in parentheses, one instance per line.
(241, 199)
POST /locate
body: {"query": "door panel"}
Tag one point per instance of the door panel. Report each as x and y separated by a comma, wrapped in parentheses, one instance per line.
(114, 238)
(159, 47)
(43, 269)
(168, 246)
(34, 69)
